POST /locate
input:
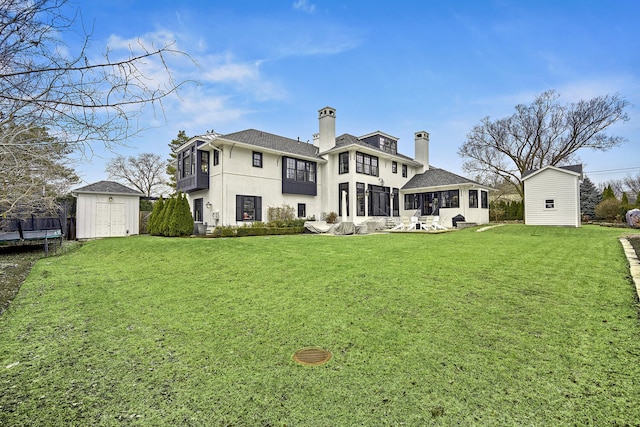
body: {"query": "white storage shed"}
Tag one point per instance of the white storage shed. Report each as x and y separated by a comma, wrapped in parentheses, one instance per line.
(107, 209)
(552, 196)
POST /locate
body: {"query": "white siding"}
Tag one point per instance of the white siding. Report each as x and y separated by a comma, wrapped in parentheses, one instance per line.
(236, 175)
(552, 184)
(477, 215)
(96, 216)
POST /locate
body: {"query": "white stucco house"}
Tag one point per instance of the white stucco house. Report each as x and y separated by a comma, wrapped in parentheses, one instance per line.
(552, 196)
(232, 179)
(106, 209)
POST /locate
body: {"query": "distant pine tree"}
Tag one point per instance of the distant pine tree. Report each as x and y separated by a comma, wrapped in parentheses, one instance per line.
(589, 198)
(172, 162)
(624, 200)
(608, 193)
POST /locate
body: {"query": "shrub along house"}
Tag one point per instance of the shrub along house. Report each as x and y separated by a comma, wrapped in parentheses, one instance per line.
(232, 179)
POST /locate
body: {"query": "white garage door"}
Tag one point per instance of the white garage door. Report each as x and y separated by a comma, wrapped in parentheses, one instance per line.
(110, 220)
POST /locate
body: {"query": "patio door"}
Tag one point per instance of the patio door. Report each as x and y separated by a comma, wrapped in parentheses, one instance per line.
(379, 201)
(431, 204)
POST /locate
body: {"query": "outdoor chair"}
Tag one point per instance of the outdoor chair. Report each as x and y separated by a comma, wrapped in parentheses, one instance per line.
(398, 227)
(428, 224)
(436, 224)
(417, 225)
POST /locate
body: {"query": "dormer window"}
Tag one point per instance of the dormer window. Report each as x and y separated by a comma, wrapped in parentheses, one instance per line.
(381, 141)
(388, 145)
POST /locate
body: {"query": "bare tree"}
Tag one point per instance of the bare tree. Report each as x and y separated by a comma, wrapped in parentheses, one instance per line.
(632, 183)
(617, 186)
(540, 134)
(146, 172)
(78, 100)
(34, 171)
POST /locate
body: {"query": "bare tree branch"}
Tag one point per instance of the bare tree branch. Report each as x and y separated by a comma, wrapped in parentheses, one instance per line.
(75, 100)
(540, 134)
(146, 172)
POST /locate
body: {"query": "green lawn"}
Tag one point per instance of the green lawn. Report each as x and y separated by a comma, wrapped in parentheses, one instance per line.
(512, 326)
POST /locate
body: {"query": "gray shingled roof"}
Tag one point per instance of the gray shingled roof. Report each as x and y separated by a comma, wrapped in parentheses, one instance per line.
(572, 168)
(273, 142)
(435, 177)
(107, 187)
(346, 139)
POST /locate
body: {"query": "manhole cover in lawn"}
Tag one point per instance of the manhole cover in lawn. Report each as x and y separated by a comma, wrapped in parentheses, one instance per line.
(312, 356)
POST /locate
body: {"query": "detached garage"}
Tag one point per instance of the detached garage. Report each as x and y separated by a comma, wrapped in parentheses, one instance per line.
(107, 209)
(552, 196)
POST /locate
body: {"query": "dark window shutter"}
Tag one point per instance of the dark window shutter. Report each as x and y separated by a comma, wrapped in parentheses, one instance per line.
(258, 208)
(238, 208)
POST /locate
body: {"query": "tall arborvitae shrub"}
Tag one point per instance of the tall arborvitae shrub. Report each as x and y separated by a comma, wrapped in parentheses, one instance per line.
(159, 224)
(158, 207)
(186, 219)
(181, 222)
(166, 217)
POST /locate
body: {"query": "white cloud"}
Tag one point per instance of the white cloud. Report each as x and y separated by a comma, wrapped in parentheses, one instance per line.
(200, 110)
(304, 6)
(224, 68)
(586, 89)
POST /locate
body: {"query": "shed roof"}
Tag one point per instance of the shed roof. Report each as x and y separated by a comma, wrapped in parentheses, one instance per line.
(573, 169)
(107, 187)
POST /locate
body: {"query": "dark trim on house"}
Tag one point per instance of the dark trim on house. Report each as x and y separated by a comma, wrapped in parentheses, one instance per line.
(193, 168)
(248, 208)
(299, 176)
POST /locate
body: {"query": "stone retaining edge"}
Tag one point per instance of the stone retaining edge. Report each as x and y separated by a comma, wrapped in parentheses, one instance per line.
(634, 263)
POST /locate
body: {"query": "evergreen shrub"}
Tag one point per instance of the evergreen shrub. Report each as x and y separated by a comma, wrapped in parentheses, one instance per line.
(506, 210)
(608, 209)
(166, 217)
(155, 218)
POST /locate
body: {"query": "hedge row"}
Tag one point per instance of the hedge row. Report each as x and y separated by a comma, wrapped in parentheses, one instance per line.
(230, 231)
(171, 218)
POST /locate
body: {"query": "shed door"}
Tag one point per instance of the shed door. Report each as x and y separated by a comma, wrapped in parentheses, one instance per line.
(118, 227)
(110, 219)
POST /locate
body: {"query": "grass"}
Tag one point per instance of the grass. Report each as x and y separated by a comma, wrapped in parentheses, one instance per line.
(15, 264)
(513, 326)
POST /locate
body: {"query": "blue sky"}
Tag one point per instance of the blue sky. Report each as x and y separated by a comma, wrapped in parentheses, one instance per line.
(398, 67)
